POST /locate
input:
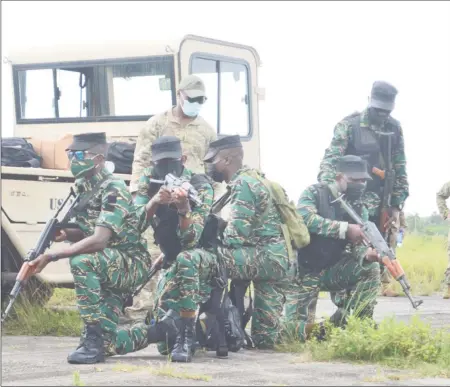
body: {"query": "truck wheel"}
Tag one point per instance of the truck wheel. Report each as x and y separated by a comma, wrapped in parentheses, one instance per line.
(35, 292)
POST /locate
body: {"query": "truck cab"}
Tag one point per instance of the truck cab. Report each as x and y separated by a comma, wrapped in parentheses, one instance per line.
(112, 88)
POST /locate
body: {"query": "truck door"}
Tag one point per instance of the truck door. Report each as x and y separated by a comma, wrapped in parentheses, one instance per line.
(230, 73)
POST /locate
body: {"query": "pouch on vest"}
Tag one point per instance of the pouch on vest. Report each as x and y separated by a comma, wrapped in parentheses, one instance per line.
(293, 226)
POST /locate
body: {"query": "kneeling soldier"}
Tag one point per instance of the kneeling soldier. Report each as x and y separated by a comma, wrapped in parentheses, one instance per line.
(108, 258)
(335, 259)
(178, 224)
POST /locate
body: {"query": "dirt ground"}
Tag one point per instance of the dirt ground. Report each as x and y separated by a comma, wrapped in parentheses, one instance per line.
(33, 361)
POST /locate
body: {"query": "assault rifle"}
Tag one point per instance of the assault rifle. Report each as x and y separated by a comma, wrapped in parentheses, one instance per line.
(45, 240)
(171, 182)
(388, 175)
(374, 239)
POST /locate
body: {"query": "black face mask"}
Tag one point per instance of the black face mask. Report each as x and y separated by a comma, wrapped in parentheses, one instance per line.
(213, 173)
(378, 117)
(163, 168)
(355, 190)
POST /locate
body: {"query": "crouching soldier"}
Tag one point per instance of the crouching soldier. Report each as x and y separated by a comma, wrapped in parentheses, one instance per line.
(108, 258)
(253, 246)
(335, 259)
(178, 224)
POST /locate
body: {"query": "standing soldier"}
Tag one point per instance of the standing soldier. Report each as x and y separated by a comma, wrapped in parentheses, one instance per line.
(108, 258)
(253, 246)
(378, 138)
(184, 122)
(441, 197)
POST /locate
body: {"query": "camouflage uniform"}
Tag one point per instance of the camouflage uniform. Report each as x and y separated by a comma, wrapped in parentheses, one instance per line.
(441, 197)
(195, 138)
(254, 249)
(102, 280)
(188, 280)
(339, 146)
(350, 272)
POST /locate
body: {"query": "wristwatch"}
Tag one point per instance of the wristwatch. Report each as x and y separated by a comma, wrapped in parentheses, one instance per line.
(185, 214)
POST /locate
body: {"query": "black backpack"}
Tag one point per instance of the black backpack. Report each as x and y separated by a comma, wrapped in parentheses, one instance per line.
(18, 152)
(121, 154)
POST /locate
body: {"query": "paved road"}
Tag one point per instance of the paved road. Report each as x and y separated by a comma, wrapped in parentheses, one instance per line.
(29, 361)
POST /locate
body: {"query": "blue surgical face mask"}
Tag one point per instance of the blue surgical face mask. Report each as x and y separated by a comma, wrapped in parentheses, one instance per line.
(191, 109)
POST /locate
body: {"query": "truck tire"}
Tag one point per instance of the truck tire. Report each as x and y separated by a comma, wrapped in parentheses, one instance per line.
(35, 292)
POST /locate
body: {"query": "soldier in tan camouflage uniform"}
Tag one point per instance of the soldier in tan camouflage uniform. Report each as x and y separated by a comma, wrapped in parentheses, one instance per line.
(441, 197)
(184, 122)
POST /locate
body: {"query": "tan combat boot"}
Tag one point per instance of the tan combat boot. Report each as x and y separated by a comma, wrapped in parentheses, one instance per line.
(447, 294)
(387, 291)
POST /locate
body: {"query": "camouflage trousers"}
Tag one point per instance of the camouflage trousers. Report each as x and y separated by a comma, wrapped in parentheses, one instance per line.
(268, 267)
(447, 272)
(187, 283)
(348, 273)
(102, 281)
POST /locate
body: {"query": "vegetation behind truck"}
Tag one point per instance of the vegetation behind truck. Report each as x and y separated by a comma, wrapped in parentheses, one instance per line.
(114, 89)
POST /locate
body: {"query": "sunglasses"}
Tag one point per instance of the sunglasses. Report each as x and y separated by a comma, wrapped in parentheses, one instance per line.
(78, 155)
(200, 100)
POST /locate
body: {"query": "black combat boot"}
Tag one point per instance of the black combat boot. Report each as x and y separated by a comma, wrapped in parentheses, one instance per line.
(91, 350)
(165, 329)
(82, 337)
(184, 346)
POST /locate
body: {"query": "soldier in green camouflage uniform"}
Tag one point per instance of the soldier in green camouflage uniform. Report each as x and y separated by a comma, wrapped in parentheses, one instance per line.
(108, 258)
(335, 259)
(184, 122)
(187, 281)
(361, 134)
(253, 246)
(441, 197)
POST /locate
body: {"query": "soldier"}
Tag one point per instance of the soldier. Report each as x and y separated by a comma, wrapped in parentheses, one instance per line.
(178, 225)
(441, 197)
(184, 122)
(108, 258)
(335, 259)
(253, 246)
(364, 134)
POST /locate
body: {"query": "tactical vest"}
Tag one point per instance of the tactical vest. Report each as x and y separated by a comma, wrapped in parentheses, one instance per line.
(323, 252)
(165, 224)
(366, 144)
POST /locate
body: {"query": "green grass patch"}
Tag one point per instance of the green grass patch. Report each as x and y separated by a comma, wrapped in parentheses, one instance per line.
(32, 320)
(424, 259)
(63, 297)
(395, 344)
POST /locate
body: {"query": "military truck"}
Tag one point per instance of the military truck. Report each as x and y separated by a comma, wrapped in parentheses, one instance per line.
(113, 88)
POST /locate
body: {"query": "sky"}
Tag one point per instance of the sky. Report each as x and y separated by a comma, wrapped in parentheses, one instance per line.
(319, 62)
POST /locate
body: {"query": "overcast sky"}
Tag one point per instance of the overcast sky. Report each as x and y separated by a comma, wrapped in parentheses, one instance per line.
(319, 62)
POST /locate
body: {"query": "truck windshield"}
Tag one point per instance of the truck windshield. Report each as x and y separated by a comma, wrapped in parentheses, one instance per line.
(92, 91)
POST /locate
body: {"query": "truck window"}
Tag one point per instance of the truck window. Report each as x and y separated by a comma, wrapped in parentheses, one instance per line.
(92, 91)
(227, 88)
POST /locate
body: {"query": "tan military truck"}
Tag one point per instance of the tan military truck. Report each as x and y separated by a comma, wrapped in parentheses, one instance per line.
(113, 88)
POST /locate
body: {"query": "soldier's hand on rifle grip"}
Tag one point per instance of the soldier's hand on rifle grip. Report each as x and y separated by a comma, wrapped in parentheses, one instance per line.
(60, 235)
(180, 199)
(163, 196)
(355, 233)
(394, 218)
(372, 255)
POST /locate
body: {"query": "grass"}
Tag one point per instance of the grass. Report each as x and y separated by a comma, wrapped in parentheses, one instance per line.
(395, 344)
(77, 380)
(424, 259)
(164, 370)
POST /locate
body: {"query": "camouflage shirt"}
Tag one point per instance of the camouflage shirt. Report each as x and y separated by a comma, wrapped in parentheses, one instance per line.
(195, 138)
(111, 207)
(441, 197)
(254, 219)
(307, 208)
(337, 149)
(190, 237)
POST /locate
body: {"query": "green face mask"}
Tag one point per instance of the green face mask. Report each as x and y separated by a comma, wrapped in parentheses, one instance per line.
(80, 167)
